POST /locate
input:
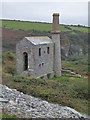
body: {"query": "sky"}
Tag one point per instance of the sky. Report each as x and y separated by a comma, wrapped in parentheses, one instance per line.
(70, 12)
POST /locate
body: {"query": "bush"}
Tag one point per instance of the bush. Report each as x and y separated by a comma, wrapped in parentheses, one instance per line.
(8, 56)
(39, 81)
(19, 78)
(11, 69)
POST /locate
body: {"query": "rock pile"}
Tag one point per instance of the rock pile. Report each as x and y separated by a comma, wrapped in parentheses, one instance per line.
(26, 106)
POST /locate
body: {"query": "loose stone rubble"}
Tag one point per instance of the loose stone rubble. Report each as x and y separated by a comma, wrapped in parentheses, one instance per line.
(26, 106)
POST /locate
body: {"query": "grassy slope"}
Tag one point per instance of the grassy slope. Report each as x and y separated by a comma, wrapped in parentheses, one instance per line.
(78, 64)
(64, 90)
(38, 29)
(26, 26)
(67, 91)
(82, 29)
(70, 91)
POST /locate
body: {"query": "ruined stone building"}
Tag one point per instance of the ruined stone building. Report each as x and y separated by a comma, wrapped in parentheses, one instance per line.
(40, 56)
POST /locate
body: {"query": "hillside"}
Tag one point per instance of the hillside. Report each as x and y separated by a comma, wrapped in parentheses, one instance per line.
(27, 26)
(18, 105)
(74, 39)
(67, 90)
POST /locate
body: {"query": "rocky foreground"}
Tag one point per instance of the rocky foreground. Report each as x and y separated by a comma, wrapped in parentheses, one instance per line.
(26, 106)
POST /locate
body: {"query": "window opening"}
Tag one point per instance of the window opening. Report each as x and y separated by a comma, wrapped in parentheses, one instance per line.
(42, 64)
(48, 50)
(39, 51)
(25, 54)
(39, 65)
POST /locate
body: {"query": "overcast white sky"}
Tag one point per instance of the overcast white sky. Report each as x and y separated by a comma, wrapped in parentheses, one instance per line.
(45, 0)
(70, 12)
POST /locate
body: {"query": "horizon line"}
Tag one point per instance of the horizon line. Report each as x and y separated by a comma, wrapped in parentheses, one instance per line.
(44, 22)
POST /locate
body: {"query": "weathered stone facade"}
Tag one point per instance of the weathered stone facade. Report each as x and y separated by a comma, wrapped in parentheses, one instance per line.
(40, 63)
(40, 56)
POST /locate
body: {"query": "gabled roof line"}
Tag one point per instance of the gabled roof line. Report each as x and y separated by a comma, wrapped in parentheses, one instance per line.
(36, 40)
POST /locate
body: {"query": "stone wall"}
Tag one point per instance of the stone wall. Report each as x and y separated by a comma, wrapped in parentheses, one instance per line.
(57, 54)
(23, 45)
(37, 65)
(43, 64)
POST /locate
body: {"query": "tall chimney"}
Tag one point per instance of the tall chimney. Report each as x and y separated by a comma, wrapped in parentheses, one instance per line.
(55, 26)
(57, 48)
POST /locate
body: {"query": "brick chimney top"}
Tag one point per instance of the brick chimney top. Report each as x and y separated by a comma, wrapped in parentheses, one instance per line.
(55, 25)
(56, 14)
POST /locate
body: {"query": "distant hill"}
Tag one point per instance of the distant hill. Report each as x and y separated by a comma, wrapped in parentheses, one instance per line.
(39, 26)
(74, 39)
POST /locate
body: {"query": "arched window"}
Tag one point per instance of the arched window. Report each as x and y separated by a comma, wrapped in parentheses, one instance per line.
(25, 56)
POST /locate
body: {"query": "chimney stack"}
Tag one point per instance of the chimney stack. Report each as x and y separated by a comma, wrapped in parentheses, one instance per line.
(57, 47)
(55, 26)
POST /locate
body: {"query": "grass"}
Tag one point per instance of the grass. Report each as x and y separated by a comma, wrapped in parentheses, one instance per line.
(10, 117)
(68, 35)
(5, 116)
(77, 64)
(82, 29)
(65, 90)
(26, 26)
(73, 33)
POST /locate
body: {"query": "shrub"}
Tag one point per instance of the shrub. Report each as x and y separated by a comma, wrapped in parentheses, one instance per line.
(11, 69)
(8, 56)
(19, 78)
(40, 81)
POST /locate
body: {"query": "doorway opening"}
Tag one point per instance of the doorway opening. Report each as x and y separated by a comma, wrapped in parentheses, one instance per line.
(25, 55)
